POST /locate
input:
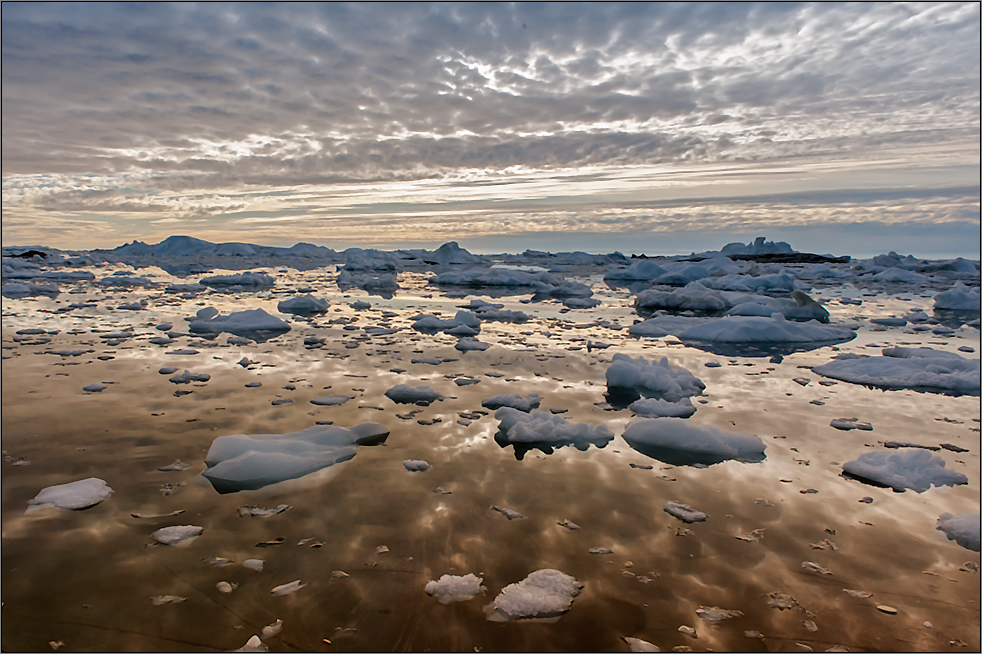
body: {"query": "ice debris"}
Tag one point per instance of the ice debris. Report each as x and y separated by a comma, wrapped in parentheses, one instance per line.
(177, 534)
(715, 615)
(636, 377)
(638, 645)
(94, 388)
(286, 589)
(415, 465)
(915, 469)
(684, 512)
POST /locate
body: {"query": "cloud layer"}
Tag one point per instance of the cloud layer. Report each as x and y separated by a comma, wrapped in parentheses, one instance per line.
(141, 112)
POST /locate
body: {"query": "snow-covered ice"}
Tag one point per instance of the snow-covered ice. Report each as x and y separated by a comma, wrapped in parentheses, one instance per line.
(633, 378)
(542, 428)
(962, 528)
(919, 369)
(958, 298)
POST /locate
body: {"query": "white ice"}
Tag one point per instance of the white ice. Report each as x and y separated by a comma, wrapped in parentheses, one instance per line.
(542, 427)
(658, 408)
(916, 469)
(177, 534)
(758, 329)
(920, 368)
(453, 588)
(248, 321)
(675, 439)
(416, 465)
(657, 379)
(249, 462)
(75, 495)
(958, 298)
(962, 528)
(545, 593)
(513, 400)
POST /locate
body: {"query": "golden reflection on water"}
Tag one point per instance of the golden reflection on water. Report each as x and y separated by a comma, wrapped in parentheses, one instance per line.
(86, 577)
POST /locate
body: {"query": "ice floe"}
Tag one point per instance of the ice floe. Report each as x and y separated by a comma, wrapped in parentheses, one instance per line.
(923, 369)
(677, 442)
(958, 298)
(177, 535)
(515, 401)
(543, 594)
(962, 528)
(684, 512)
(303, 305)
(251, 322)
(405, 394)
(453, 588)
(248, 462)
(629, 379)
(545, 431)
(915, 469)
(73, 496)
(415, 465)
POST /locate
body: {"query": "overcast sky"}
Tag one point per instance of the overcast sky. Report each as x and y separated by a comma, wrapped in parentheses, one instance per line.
(640, 127)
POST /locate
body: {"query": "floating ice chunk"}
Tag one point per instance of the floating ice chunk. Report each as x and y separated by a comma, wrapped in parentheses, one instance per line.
(248, 462)
(358, 305)
(915, 469)
(861, 594)
(187, 377)
(684, 512)
(568, 524)
(246, 322)
(405, 394)
(693, 297)
(899, 275)
(303, 305)
(177, 534)
(167, 599)
(271, 630)
(225, 587)
(638, 645)
(18, 290)
(642, 270)
(177, 466)
(286, 589)
(958, 298)
(545, 593)
(814, 567)
(75, 495)
(715, 615)
(657, 408)
(515, 401)
(636, 377)
(509, 513)
(415, 465)
(919, 369)
(450, 253)
(258, 512)
(846, 424)
(468, 343)
(962, 528)
(254, 564)
(331, 400)
(540, 427)
(249, 279)
(675, 441)
(889, 322)
(758, 329)
(451, 588)
(663, 325)
(254, 644)
(94, 388)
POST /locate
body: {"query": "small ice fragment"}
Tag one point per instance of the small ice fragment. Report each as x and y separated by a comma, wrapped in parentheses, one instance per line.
(508, 513)
(218, 561)
(254, 384)
(167, 370)
(846, 424)
(572, 526)
(55, 644)
(177, 466)
(225, 587)
(150, 516)
(714, 614)
(339, 574)
(809, 625)
(331, 400)
(814, 567)
(177, 534)
(187, 376)
(861, 594)
(824, 544)
(271, 630)
(73, 496)
(94, 388)
(601, 550)
(381, 549)
(253, 564)
(801, 380)
(415, 465)
(451, 588)
(281, 401)
(257, 512)
(167, 599)
(889, 610)
(253, 645)
(753, 536)
(286, 589)
(638, 645)
(781, 601)
(753, 634)
(687, 631)
(866, 500)
(684, 512)
(927, 624)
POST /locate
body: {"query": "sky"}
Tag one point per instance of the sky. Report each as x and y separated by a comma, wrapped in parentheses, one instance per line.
(640, 127)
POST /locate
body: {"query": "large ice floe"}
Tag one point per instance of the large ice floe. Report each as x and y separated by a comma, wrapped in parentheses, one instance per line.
(453, 588)
(749, 335)
(915, 469)
(545, 594)
(677, 442)
(962, 528)
(303, 305)
(251, 280)
(921, 369)
(254, 323)
(959, 298)
(73, 496)
(630, 379)
(249, 462)
(545, 431)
